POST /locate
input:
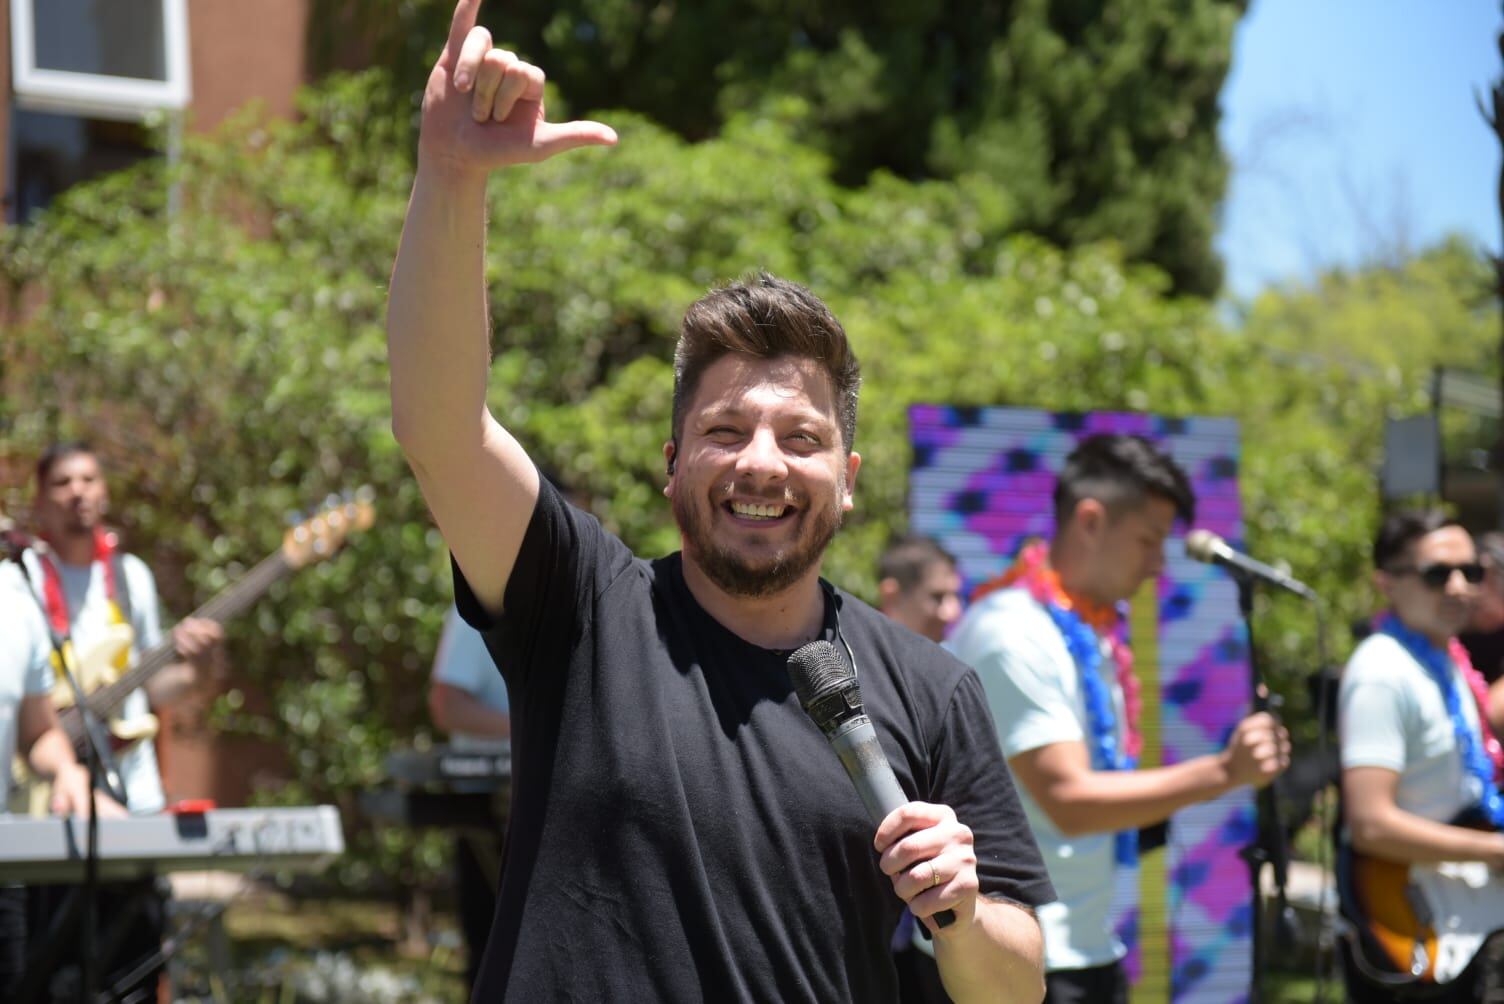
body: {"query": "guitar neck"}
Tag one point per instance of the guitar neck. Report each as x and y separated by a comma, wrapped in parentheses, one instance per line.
(230, 602)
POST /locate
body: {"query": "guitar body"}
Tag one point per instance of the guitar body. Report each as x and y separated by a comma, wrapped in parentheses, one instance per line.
(100, 665)
(1422, 921)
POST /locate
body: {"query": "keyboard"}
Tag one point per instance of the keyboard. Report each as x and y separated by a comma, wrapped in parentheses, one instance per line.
(466, 787)
(299, 838)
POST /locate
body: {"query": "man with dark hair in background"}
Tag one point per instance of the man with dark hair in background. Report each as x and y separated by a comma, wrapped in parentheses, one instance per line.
(918, 586)
(1047, 639)
(1418, 758)
(1484, 637)
(680, 828)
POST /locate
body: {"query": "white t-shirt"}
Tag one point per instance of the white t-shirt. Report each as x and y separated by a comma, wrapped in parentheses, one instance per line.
(25, 668)
(1391, 714)
(89, 614)
(464, 662)
(1034, 693)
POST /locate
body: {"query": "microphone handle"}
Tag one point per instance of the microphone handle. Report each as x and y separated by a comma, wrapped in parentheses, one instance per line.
(855, 742)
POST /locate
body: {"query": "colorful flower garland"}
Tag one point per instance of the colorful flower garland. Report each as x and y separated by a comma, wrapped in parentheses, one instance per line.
(1084, 625)
(1482, 756)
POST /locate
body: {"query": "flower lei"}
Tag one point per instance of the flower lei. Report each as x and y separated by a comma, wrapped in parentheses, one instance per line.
(105, 544)
(1484, 759)
(1083, 625)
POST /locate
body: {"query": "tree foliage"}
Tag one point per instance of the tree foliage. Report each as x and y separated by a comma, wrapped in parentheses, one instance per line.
(1094, 119)
(227, 354)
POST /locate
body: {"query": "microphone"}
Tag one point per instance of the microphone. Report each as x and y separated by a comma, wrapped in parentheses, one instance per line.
(1203, 545)
(830, 695)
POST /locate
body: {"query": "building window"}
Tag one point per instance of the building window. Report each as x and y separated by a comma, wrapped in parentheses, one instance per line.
(55, 152)
(86, 75)
(117, 59)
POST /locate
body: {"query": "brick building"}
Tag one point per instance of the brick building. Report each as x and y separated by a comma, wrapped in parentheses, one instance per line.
(85, 80)
(83, 77)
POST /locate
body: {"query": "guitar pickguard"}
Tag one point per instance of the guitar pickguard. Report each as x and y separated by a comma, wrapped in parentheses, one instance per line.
(100, 665)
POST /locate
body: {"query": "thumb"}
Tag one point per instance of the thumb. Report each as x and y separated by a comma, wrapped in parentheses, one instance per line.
(552, 138)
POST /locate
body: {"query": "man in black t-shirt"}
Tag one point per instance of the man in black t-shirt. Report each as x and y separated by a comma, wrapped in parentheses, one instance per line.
(680, 830)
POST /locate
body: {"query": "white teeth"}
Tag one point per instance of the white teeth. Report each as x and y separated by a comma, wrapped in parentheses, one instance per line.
(757, 511)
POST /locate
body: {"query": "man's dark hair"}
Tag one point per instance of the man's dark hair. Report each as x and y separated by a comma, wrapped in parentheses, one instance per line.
(907, 558)
(57, 453)
(1121, 472)
(765, 317)
(1401, 529)
(1491, 550)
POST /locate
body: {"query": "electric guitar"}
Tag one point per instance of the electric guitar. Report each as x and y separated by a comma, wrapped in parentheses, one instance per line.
(106, 687)
(1419, 923)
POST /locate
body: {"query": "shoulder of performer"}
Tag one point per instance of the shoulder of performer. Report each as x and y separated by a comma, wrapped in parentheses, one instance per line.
(1001, 619)
(1377, 657)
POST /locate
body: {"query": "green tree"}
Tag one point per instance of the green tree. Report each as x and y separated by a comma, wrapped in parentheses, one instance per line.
(229, 358)
(1095, 119)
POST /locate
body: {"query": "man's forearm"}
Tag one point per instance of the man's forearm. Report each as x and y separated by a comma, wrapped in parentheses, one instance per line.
(1396, 835)
(437, 330)
(50, 753)
(998, 957)
(455, 709)
(170, 684)
(1108, 801)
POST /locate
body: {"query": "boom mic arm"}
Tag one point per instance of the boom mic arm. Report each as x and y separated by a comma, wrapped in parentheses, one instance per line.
(1203, 545)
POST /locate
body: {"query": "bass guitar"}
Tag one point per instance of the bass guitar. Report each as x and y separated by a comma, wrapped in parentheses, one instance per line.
(106, 687)
(1419, 923)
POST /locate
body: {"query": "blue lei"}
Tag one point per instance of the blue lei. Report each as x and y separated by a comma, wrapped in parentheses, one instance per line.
(1438, 665)
(1086, 651)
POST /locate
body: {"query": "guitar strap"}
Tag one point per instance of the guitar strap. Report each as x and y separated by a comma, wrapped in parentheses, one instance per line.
(117, 593)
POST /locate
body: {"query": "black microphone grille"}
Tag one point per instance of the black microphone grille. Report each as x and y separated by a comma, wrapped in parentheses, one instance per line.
(817, 668)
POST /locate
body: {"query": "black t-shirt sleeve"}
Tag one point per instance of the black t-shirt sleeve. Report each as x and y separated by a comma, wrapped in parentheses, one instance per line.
(565, 561)
(971, 776)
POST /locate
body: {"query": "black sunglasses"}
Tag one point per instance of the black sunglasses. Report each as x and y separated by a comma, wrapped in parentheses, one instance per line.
(1438, 575)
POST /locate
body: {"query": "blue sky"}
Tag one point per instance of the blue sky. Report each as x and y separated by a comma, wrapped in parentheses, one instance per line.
(1353, 134)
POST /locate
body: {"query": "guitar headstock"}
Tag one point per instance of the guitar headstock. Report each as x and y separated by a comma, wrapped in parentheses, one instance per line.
(325, 532)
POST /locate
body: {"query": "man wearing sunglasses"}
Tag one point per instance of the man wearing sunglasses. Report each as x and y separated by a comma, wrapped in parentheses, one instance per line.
(1420, 767)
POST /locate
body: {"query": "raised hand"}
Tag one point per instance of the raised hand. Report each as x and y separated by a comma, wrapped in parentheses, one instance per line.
(483, 107)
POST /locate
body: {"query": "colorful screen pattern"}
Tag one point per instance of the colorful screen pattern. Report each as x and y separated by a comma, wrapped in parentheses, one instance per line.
(981, 484)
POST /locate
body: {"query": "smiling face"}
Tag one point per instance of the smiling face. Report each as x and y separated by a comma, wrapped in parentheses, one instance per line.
(761, 478)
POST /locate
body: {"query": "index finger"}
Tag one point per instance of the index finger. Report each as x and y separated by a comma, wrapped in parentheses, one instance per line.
(465, 13)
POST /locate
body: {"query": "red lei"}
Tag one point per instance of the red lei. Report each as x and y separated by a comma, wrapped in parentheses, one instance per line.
(1032, 571)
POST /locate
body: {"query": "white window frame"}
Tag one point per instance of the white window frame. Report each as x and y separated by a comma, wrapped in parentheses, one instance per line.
(98, 95)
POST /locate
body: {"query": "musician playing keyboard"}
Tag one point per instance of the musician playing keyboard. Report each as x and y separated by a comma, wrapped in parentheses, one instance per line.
(1420, 780)
(104, 602)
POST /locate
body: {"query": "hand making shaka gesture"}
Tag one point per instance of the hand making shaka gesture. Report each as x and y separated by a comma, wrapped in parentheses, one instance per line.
(483, 107)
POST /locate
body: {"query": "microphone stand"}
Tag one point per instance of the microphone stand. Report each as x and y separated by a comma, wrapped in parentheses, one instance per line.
(95, 760)
(1269, 845)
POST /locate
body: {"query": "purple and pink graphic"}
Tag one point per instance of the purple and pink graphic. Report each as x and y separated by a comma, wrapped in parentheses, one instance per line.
(981, 483)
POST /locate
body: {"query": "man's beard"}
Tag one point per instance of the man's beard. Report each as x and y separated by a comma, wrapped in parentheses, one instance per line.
(734, 574)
